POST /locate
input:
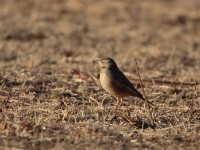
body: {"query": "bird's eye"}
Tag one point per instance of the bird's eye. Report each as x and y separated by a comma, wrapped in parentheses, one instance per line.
(104, 61)
(108, 60)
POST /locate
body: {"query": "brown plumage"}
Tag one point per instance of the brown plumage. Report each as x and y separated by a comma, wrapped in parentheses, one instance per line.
(115, 82)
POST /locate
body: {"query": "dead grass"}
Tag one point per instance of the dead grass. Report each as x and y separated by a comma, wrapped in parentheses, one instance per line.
(50, 97)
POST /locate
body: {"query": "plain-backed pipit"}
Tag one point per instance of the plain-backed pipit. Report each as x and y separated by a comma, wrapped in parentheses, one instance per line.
(115, 82)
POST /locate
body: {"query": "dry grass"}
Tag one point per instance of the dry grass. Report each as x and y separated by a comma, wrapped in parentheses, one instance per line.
(49, 94)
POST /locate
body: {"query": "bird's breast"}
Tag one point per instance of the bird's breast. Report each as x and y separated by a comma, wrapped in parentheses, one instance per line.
(107, 83)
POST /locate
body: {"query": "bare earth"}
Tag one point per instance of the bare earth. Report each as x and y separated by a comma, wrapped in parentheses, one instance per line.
(50, 97)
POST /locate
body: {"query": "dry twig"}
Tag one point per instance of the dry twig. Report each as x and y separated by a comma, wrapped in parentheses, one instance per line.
(152, 124)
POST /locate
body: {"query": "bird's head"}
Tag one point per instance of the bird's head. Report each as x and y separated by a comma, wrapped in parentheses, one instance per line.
(107, 63)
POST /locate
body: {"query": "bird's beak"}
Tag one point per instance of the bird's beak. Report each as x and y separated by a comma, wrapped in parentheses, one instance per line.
(99, 62)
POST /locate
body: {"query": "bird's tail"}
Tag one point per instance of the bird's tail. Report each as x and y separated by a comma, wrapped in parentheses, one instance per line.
(139, 95)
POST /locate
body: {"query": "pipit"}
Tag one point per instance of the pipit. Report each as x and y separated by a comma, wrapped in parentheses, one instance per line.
(115, 82)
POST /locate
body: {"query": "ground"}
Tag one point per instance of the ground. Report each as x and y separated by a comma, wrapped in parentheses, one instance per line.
(50, 96)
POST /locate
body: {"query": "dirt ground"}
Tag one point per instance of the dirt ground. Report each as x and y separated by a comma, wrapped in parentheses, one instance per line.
(50, 97)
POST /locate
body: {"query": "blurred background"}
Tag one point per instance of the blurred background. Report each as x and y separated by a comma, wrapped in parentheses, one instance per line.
(50, 98)
(164, 35)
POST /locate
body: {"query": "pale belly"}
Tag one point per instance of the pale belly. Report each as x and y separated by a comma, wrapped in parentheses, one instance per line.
(106, 83)
(109, 86)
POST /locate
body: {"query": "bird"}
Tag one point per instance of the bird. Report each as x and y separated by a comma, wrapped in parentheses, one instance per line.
(115, 82)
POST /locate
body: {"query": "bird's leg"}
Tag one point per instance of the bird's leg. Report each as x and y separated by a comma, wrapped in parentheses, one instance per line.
(116, 107)
(120, 103)
(124, 117)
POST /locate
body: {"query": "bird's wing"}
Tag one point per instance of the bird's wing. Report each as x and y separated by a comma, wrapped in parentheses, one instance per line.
(121, 81)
